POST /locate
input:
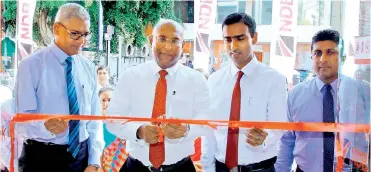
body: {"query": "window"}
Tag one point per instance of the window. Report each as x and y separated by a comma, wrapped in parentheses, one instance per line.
(314, 12)
(184, 10)
(224, 11)
(262, 12)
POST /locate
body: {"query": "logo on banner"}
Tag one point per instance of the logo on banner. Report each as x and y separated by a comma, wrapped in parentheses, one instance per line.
(202, 42)
(285, 46)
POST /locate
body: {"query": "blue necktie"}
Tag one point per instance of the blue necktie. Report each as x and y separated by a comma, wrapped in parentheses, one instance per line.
(328, 137)
(73, 141)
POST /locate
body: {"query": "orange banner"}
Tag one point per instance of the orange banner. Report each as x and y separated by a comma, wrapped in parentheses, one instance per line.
(297, 126)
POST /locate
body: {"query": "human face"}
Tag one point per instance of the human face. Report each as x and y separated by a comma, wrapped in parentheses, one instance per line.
(167, 43)
(71, 35)
(238, 43)
(105, 98)
(325, 60)
(103, 77)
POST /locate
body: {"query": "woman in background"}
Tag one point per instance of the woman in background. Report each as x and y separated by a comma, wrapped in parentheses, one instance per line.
(114, 154)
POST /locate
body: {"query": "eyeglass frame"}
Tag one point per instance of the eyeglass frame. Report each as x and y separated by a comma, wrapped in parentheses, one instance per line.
(86, 35)
(168, 40)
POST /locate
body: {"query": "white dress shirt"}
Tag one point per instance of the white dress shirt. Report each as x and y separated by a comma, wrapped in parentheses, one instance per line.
(263, 98)
(187, 98)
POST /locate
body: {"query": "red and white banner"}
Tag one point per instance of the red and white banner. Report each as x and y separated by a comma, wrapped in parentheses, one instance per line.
(362, 48)
(205, 14)
(283, 45)
(25, 14)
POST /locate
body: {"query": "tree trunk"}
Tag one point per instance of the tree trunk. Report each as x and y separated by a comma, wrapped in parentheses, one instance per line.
(45, 31)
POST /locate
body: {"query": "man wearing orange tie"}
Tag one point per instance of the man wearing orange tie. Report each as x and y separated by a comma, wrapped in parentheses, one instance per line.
(162, 88)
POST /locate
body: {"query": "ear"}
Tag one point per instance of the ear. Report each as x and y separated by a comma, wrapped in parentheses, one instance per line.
(183, 44)
(150, 40)
(55, 29)
(255, 38)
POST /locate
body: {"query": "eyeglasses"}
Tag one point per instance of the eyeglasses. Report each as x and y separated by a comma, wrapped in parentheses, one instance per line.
(163, 40)
(76, 35)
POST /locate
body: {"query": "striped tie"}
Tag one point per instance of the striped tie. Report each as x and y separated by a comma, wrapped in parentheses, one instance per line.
(73, 141)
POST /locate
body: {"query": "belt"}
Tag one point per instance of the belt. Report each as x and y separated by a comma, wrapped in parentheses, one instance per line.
(37, 143)
(258, 166)
(347, 161)
(172, 167)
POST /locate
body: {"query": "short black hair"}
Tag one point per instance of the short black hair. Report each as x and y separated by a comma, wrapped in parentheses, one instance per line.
(101, 68)
(241, 18)
(326, 35)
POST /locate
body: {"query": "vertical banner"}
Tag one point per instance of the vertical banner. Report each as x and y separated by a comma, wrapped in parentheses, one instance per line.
(100, 26)
(283, 45)
(205, 14)
(24, 24)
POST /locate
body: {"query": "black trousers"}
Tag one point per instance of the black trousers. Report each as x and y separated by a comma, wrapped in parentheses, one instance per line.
(134, 165)
(44, 157)
(264, 166)
(5, 170)
(348, 162)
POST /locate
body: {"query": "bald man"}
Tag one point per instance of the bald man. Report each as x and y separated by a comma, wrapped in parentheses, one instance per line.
(162, 88)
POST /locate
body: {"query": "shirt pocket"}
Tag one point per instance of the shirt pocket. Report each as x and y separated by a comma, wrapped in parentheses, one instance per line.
(180, 106)
(86, 96)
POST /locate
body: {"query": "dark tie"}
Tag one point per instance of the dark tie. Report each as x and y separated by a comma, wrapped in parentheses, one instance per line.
(73, 140)
(231, 157)
(328, 137)
(157, 151)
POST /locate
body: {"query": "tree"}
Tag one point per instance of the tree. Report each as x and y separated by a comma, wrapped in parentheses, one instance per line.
(45, 13)
(128, 17)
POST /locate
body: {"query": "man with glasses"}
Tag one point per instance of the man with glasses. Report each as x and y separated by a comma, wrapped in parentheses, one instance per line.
(162, 88)
(57, 80)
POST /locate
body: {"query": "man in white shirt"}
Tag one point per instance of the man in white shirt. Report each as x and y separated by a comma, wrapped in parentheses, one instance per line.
(103, 77)
(245, 90)
(162, 88)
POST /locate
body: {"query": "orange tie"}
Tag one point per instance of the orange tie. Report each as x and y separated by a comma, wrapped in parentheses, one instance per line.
(157, 151)
(231, 157)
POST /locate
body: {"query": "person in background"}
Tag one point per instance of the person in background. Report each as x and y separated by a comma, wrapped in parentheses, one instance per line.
(5, 93)
(318, 100)
(114, 154)
(105, 95)
(7, 111)
(245, 90)
(103, 77)
(57, 80)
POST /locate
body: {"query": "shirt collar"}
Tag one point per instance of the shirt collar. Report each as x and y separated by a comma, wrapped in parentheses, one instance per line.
(58, 53)
(320, 84)
(171, 71)
(247, 70)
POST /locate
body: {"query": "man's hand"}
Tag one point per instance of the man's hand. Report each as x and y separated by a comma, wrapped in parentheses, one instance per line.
(91, 168)
(149, 133)
(256, 136)
(56, 125)
(174, 131)
(198, 166)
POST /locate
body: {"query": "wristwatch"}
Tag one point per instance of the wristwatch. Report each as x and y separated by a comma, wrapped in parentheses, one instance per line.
(95, 165)
(186, 133)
